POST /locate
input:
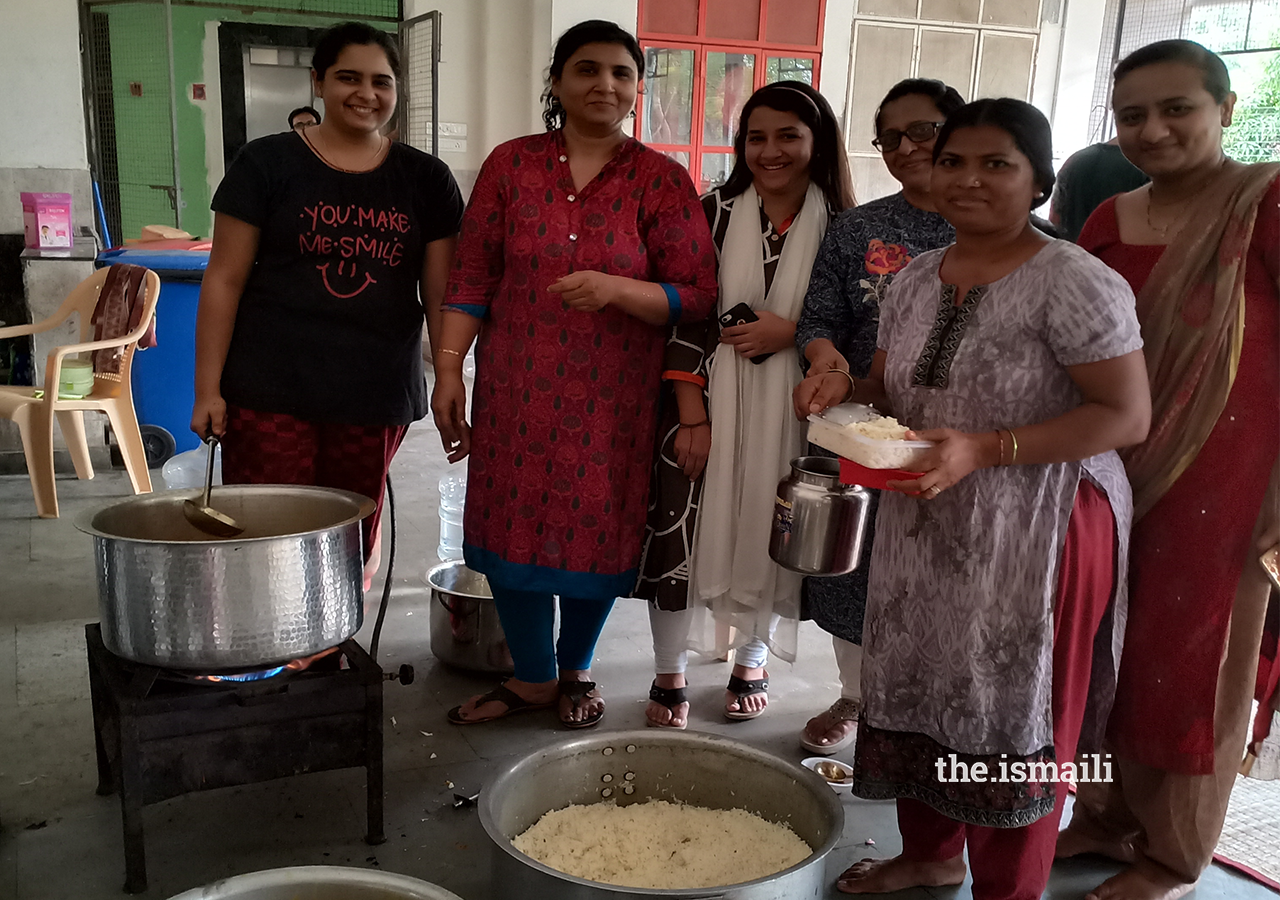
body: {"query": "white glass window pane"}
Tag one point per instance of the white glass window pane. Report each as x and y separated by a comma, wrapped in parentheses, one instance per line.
(882, 56)
(948, 56)
(1005, 67)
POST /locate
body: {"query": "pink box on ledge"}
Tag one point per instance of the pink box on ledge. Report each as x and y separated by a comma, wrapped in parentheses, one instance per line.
(46, 220)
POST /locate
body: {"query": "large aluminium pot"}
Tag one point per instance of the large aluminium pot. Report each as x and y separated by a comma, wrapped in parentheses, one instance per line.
(632, 767)
(465, 629)
(318, 883)
(289, 586)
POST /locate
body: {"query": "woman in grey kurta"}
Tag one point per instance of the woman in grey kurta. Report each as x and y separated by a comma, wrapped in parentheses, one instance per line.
(993, 572)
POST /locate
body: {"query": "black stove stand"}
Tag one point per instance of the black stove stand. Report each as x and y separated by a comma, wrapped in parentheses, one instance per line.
(158, 737)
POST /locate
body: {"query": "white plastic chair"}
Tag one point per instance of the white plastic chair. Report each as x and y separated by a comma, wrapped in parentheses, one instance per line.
(112, 394)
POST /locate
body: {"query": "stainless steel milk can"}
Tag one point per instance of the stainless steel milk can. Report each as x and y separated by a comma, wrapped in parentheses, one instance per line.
(818, 523)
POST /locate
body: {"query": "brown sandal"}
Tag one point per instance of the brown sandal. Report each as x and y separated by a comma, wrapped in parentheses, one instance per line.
(502, 694)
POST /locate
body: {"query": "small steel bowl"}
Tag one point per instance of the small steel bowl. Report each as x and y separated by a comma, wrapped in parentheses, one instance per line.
(837, 775)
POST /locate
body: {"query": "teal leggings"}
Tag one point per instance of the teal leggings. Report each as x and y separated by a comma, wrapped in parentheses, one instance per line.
(528, 620)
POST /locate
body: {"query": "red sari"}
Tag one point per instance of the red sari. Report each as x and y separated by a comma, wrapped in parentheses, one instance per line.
(1187, 553)
(565, 402)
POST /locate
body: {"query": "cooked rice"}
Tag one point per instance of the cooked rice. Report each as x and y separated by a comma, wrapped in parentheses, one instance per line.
(660, 845)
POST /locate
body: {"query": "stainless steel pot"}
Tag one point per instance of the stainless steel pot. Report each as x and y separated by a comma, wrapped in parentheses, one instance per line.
(289, 586)
(818, 523)
(465, 629)
(631, 767)
(318, 883)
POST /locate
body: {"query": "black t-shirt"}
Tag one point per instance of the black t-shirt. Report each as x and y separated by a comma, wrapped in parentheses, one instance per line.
(329, 326)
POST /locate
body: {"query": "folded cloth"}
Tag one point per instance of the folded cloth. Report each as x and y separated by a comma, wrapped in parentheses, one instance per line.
(119, 310)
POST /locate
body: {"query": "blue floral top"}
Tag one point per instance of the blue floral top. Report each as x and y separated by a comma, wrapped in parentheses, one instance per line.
(863, 249)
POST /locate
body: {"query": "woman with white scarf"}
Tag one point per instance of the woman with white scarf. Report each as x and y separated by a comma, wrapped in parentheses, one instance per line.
(726, 407)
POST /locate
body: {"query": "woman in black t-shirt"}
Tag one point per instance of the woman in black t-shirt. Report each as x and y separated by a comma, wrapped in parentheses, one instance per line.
(309, 333)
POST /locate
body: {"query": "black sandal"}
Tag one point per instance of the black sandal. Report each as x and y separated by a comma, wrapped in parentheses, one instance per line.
(670, 698)
(742, 688)
(577, 691)
(502, 694)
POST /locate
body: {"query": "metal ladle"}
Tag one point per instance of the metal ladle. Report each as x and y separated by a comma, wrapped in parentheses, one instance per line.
(201, 514)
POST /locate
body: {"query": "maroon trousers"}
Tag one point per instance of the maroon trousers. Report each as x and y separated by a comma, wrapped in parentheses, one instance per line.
(274, 448)
(1013, 863)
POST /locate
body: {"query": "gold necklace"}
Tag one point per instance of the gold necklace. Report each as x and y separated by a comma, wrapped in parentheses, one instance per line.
(372, 160)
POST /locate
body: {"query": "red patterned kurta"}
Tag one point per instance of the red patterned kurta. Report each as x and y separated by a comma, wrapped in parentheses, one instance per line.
(563, 412)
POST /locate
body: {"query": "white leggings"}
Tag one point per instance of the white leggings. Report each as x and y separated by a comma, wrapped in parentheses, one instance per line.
(849, 661)
(671, 641)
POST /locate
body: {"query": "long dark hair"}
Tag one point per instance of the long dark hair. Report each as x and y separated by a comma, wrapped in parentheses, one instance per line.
(592, 31)
(829, 167)
(336, 39)
(1021, 121)
(941, 94)
(1217, 81)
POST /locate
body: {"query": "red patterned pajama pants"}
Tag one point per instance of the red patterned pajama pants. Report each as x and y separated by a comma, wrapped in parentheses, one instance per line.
(274, 448)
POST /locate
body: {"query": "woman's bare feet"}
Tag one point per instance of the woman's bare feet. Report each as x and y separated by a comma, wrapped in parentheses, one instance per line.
(588, 707)
(881, 876)
(1145, 880)
(1073, 841)
(752, 704)
(542, 694)
(675, 717)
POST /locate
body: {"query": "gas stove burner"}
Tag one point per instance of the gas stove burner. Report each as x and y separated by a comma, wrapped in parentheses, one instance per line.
(261, 675)
(333, 661)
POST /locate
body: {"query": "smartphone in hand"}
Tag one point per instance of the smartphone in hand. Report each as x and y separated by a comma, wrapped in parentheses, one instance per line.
(742, 315)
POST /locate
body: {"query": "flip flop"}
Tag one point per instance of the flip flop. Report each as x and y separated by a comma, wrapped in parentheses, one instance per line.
(502, 694)
(743, 688)
(843, 710)
(577, 691)
(670, 698)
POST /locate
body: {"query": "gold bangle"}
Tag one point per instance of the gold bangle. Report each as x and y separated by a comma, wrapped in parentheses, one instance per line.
(1000, 435)
(447, 350)
(853, 385)
(1014, 438)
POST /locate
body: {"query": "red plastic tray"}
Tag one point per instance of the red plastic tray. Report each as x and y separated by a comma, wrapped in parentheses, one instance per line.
(853, 473)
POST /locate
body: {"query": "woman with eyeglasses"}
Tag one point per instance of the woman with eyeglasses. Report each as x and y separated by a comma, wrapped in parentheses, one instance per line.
(863, 249)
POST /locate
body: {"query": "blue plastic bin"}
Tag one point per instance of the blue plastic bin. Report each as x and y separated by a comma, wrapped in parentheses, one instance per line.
(164, 376)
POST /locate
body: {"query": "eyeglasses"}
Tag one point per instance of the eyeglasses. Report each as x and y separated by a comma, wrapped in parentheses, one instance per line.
(916, 132)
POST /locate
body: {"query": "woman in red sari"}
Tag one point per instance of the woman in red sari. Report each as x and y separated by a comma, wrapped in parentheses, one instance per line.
(1200, 246)
(579, 248)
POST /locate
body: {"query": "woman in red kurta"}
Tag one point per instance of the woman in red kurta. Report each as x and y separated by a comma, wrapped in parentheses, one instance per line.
(1201, 248)
(579, 247)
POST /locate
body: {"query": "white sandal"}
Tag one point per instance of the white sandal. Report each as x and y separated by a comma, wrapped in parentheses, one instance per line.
(843, 710)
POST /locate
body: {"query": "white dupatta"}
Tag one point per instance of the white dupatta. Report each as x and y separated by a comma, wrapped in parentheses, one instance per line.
(754, 437)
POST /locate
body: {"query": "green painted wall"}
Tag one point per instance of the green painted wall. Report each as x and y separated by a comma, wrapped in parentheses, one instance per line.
(144, 140)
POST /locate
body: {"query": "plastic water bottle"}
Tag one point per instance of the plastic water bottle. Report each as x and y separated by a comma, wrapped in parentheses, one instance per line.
(186, 470)
(453, 494)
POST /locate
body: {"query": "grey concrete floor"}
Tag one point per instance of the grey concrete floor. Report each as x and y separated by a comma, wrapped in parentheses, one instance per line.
(59, 840)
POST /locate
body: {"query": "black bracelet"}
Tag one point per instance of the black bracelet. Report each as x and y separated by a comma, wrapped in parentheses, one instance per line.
(694, 424)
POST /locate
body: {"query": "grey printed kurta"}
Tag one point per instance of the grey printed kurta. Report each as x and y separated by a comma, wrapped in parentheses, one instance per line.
(958, 642)
(862, 250)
